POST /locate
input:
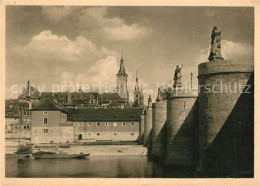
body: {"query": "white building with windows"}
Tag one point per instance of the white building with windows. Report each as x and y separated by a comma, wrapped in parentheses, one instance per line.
(51, 123)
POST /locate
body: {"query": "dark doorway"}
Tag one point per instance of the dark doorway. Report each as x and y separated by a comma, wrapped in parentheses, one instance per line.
(80, 136)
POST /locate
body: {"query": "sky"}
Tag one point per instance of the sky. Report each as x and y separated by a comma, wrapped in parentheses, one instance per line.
(57, 45)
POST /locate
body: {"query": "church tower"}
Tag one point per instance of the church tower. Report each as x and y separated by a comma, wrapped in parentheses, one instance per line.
(138, 93)
(121, 77)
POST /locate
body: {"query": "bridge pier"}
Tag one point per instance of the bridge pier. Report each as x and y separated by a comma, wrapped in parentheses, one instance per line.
(182, 127)
(226, 116)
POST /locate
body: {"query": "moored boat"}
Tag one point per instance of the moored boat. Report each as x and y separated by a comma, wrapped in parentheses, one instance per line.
(17, 155)
(51, 155)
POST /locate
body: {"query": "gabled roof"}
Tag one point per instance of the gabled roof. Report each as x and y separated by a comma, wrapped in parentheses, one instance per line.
(106, 97)
(104, 114)
(47, 104)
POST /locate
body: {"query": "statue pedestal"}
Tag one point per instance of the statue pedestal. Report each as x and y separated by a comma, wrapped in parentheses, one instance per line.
(215, 58)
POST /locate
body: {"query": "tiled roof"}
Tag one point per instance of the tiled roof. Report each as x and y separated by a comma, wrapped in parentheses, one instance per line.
(12, 107)
(47, 104)
(104, 114)
(12, 112)
(105, 97)
(83, 96)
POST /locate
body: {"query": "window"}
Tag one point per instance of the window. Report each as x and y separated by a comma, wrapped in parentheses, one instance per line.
(132, 116)
(123, 124)
(45, 121)
(114, 124)
(28, 127)
(107, 124)
(45, 130)
(132, 134)
(98, 124)
(45, 112)
(132, 124)
(24, 127)
(115, 134)
(98, 134)
(89, 124)
(114, 116)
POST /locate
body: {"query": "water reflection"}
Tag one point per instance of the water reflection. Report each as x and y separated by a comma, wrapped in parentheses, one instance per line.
(94, 166)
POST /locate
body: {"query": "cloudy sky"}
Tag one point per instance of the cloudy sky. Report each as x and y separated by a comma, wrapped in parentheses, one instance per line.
(56, 45)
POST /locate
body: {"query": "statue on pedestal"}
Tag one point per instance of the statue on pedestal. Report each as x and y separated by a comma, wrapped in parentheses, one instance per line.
(177, 76)
(159, 95)
(215, 50)
(149, 101)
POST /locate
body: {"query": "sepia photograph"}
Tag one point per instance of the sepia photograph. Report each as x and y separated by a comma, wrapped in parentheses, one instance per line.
(129, 91)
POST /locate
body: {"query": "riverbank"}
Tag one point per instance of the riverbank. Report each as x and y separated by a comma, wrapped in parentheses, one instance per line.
(111, 149)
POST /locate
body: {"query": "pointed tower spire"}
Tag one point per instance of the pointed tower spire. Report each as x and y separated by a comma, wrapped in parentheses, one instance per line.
(122, 70)
(28, 88)
(80, 90)
(136, 82)
(68, 96)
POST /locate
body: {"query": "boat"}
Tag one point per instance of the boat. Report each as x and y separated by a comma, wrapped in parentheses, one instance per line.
(52, 155)
(17, 155)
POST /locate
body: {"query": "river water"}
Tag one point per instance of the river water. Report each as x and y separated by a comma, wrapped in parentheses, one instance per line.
(92, 167)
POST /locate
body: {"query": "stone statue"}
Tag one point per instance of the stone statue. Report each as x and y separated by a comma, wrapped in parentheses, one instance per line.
(159, 95)
(177, 76)
(149, 101)
(215, 51)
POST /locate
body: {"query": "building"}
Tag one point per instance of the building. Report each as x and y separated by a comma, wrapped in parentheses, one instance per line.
(121, 78)
(138, 94)
(101, 124)
(17, 119)
(51, 123)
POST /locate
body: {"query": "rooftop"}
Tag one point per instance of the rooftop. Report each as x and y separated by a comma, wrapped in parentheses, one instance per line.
(47, 104)
(104, 114)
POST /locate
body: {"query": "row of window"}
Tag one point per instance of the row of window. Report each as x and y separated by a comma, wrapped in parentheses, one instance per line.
(10, 132)
(27, 112)
(98, 116)
(27, 119)
(45, 121)
(98, 134)
(20, 127)
(98, 124)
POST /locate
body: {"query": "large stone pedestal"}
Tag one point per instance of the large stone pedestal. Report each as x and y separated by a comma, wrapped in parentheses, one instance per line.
(226, 116)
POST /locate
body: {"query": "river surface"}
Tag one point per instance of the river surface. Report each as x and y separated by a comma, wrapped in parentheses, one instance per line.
(92, 167)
